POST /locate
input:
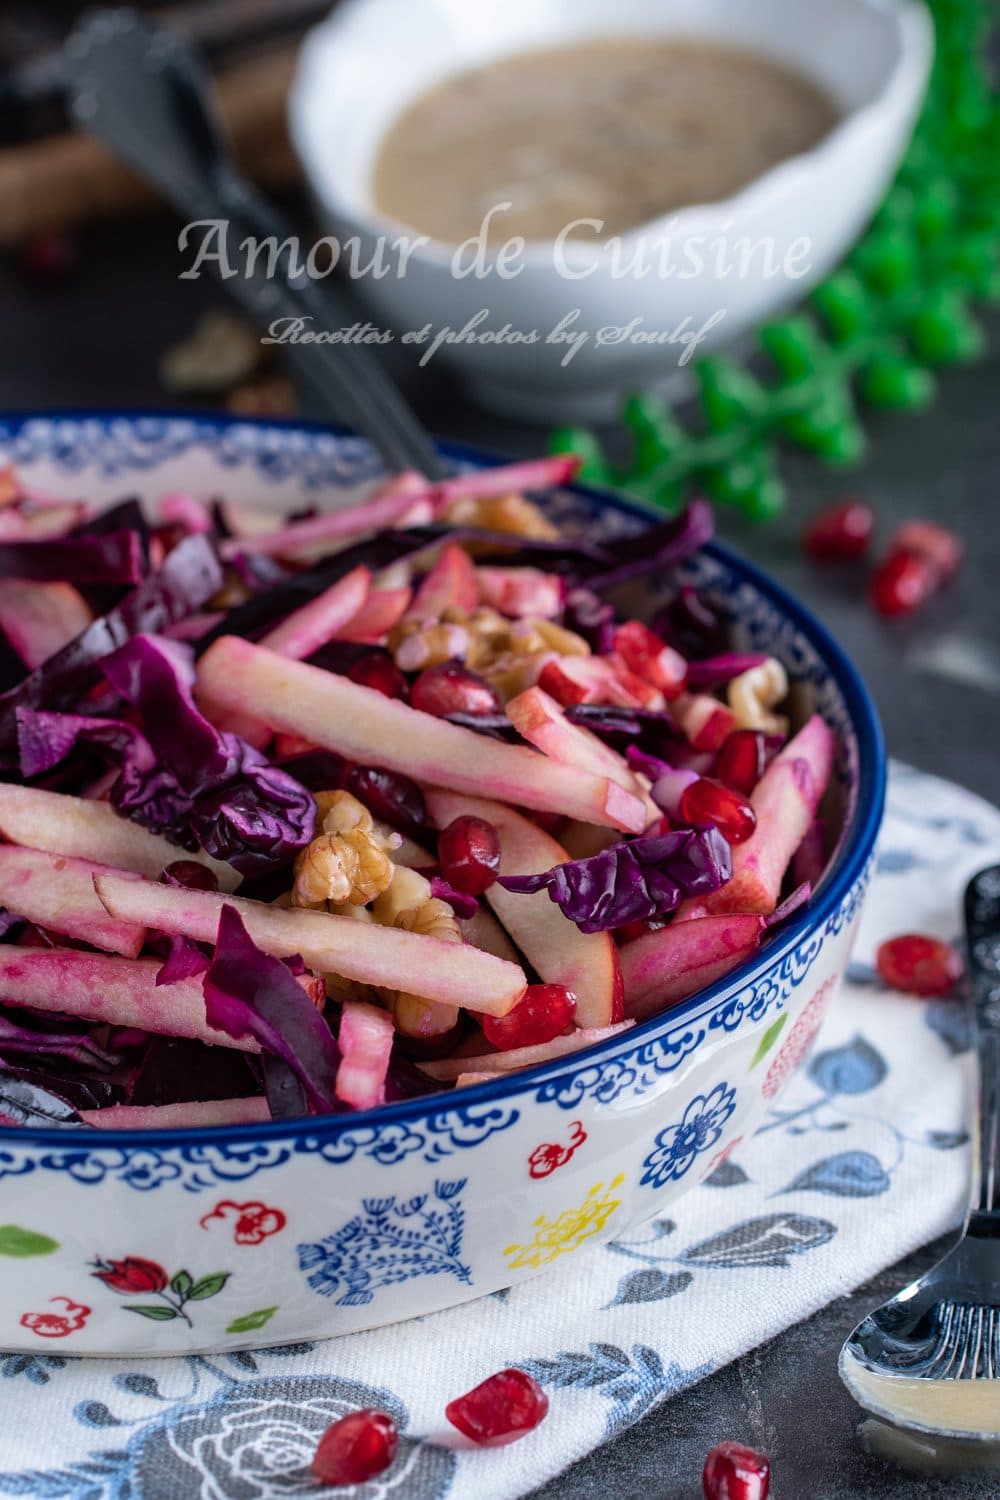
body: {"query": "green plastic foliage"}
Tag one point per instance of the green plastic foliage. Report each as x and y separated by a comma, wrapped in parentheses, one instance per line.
(873, 332)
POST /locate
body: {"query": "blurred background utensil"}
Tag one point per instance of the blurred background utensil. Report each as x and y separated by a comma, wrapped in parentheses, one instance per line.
(142, 90)
(928, 1360)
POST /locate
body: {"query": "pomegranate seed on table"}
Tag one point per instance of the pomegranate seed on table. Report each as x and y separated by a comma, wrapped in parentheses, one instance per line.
(744, 758)
(469, 851)
(903, 582)
(502, 1409)
(543, 1012)
(841, 532)
(359, 1447)
(940, 547)
(378, 670)
(735, 1472)
(708, 801)
(651, 658)
(452, 689)
(918, 965)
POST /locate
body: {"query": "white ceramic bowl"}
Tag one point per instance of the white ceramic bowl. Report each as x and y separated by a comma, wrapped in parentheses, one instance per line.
(306, 1229)
(372, 58)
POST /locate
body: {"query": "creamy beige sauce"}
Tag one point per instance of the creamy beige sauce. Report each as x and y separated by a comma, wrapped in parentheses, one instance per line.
(966, 1406)
(621, 130)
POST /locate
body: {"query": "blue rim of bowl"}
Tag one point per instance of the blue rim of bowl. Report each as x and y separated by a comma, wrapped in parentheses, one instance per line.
(850, 864)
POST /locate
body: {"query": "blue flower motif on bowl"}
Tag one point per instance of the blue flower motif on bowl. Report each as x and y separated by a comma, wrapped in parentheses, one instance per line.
(389, 1241)
(677, 1146)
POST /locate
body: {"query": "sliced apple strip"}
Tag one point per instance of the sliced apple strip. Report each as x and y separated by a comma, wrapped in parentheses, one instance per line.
(58, 893)
(450, 584)
(39, 619)
(365, 1041)
(84, 829)
(586, 963)
(306, 629)
(706, 722)
(197, 1113)
(387, 507)
(489, 1064)
(364, 725)
(668, 965)
(785, 800)
(452, 973)
(484, 931)
(383, 609)
(113, 991)
(540, 720)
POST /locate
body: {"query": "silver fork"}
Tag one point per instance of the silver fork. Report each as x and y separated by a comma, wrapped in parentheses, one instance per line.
(929, 1358)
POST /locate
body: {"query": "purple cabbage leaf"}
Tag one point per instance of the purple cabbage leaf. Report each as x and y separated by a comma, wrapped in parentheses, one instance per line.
(253, 994)
(633, 881)
(188, 578)
(115, 557)
(179, 775)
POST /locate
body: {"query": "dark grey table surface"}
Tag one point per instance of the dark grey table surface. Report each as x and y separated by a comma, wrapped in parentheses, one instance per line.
(94, 340)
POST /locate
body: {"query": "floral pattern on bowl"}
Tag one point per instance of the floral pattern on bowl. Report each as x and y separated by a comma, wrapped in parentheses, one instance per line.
(294, 1230)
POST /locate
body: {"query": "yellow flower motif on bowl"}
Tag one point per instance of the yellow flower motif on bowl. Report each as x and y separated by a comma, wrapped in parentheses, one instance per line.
(555, 1237)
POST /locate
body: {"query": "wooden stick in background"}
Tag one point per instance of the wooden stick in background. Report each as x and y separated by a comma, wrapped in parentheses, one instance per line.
(67, 179)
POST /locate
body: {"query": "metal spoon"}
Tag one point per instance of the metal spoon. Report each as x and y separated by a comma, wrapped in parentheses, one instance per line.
(142, 90)
(928, 1360)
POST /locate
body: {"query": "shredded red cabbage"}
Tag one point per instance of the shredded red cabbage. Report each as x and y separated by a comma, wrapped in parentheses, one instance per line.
(187, 580)
(462, 905)
(250, 993)
(658, 547)
(184, 960)
(633, 881)
(692, 626)
(114, 557)
(72, 1046)
(713, 671)
(179, 776)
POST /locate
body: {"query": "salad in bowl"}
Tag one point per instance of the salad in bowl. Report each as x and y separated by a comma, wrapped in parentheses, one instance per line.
(401, 886)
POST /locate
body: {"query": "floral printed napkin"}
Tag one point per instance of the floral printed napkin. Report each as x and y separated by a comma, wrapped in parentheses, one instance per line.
(863, 1159)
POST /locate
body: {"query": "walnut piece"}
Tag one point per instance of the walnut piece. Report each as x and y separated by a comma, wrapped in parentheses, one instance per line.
(753, 694)
(514, 514)
(348, 860)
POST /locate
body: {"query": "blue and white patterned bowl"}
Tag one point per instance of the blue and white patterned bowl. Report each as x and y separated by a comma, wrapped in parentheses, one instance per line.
(245, 1235)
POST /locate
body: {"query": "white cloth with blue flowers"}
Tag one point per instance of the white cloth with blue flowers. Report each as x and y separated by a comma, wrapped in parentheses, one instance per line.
(783, 1227)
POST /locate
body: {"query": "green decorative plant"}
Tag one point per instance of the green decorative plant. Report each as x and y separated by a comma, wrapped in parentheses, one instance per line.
(872, 334)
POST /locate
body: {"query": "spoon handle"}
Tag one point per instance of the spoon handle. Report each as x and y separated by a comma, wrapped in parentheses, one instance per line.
(143, 92)
(982, 928)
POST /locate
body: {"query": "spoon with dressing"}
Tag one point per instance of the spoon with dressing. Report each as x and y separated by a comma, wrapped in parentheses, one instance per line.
(928, 1360)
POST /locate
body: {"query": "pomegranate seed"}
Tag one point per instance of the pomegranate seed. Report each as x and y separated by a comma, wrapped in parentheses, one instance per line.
(841, 532)
(357, 1448)
(651, 658)
(903, 582)
(453, 689)
(941, 548)
(543, 1012)
(378, 670)
(388, 796)
(733, 1472)
(918, 965)
(191, 875)
(708, 801)
(502, 1409)
(469, 851)
(745, 757)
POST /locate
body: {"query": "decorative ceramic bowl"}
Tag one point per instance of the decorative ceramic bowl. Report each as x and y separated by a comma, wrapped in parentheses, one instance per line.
(173, 1241)
(372, 58)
